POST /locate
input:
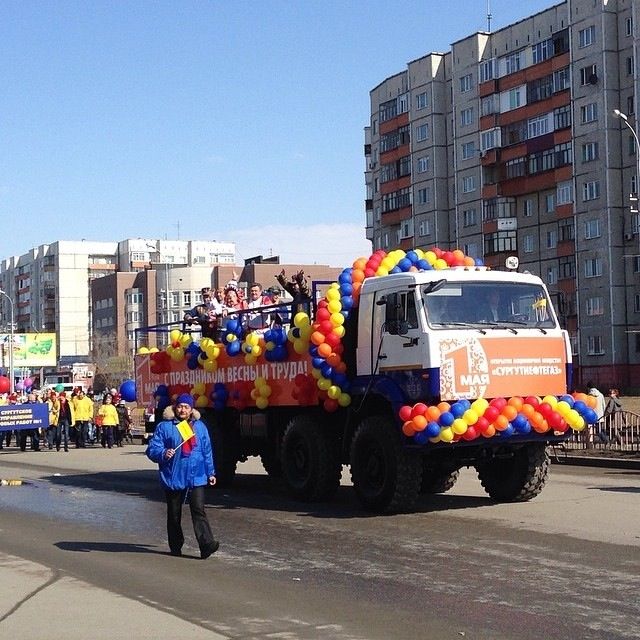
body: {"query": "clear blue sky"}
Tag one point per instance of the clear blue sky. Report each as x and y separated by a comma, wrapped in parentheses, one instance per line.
(236, 121)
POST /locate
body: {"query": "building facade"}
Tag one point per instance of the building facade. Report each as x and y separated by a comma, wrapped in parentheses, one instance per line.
(507, 144)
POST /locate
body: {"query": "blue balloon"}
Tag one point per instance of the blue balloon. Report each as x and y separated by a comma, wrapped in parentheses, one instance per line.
(423, 265)
(479, 262)
(128, 390)
(192, 363)
(344, 277)
(396, 269)
(346, 289)
(446, 419)
(580, 407)
(568, 399)
(421, 437)
(163, 402)
(326, 370)
(590, 416)
(405, 264)
(317, 362)
(347, 303)
(233, 348)
(509, 431)
(161, 390)
(521, 424)
(313, 351)
(433, 429)
(413, 256)
(457, 409)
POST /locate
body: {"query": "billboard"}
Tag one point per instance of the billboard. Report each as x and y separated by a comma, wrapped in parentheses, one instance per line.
(30, 350)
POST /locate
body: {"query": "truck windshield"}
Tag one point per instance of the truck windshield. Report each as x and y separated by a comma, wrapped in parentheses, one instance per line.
(492, 304)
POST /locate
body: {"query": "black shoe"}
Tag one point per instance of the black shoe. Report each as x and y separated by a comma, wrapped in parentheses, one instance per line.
(209, 549)
(177, 552)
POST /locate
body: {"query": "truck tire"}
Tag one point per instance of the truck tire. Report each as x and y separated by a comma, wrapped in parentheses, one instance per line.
(437, 479)
(385, 475)
(271, 464)
(310, 464)
(517, 478)
(225, 454)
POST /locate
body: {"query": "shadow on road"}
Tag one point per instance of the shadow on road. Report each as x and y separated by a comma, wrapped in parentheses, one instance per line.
(256, 491)
(84, 546)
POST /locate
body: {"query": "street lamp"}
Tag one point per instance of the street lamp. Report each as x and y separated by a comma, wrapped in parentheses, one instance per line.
(634, 199)
(11, 373)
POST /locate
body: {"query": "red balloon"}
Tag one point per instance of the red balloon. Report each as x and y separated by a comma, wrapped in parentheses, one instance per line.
(483, 422)
(369, 272)
(532, 400)
(323, 314)
(330, 405)
(545, 409)
(5, 384)
(325, 327)
(419, 409)
(333, 340)
(491, 413)
(554, 419)
(471, 433)
(499, 403)
(405, 413)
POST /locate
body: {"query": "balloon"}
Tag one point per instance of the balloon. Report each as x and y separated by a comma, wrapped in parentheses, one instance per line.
(28, 383)
(5, 384)
(59, 388)
(19, 386)
(128, 390)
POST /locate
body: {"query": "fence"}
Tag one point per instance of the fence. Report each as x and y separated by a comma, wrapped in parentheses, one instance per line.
(617, 432)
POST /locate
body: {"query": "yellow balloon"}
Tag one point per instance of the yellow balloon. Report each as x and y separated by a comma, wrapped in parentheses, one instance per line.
(301, 319)
(382, 271)
(266, 391)
(202, 401)
(249, 358)
(316, 373)
(300, 347)
(253, 339)
(333, 392)
(440, 264)
(154, 350)
(231, 337)
(339, 331)
(470, 417)
(262, 402)
(175, 335)
(430, 257)
(260, 382)
(333, 294)
(323, 383)
(337, 319)
(459, 426)
(480, 406)
(185, 340)
(177, 354)
(198, 388)
(205, 343)
(305, 332)
(143, 350)
(344, 400)
(550, 400)
(334, 306)
(446, 434)
(256, 350)
(209, 365)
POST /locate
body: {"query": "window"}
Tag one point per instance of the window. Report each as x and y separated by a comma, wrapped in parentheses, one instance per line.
(424, 228)
(589, 112)
(527, 208)
(186, 298)
(424, 195)
(588, 75)
(542, 51)
(552, 239)
(466, 117)
(586, 37)
(468, 150)
(423, 164)
(422, 101)
(199, 260)
(630, 105)
(538, 126)
(540, 89)
(561, 79)
(406, 229)
(515, 168)
(566, 268)
(138, 256)
(628, 27)
(563, 154)
(396, 200)
(592, 268)
(515, 98)
(552, 275)
(590, 151)
(542, 161)
(594, 306)
(512, 63)
(594, 346)
(403, 103)
(488, 105)
(564, 193)
(175, 298)
(466, 83)
(469, 217)
(566, 230)
(468, 184)
(490, 139)
(590, 190)
(487, 70)
(527, 243)
(550, 202)
(562, 118)
(630, 66)
(133, 316)
(591, 229)
(388, 110)
(422, 132)
(499, 242)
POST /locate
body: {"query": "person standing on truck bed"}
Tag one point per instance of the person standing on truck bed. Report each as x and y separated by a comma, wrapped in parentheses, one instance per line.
(186, 467)
(205, 314)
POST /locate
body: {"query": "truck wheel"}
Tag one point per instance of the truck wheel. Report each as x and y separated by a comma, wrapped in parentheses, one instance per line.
(385, 475)
(271, 464)
(310, 463)
(225, 456)
(518, 478)
(437, 479)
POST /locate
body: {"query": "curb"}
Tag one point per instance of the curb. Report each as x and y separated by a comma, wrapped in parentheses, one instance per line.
(592, 461)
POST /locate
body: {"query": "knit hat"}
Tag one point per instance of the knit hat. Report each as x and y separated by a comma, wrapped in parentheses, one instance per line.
(184, 398)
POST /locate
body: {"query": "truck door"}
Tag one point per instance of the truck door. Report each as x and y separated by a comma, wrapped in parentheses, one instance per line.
(401, 334)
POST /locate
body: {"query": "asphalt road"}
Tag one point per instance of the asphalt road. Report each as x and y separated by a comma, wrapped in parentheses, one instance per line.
(565, 565)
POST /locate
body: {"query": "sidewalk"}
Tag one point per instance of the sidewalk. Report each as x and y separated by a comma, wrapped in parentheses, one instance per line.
(30, 592)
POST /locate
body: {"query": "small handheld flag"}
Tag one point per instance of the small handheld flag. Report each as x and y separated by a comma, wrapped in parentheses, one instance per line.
(185, 430)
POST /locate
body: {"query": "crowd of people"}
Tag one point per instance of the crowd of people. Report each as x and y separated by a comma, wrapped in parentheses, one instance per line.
(75, 420)
(271, 310)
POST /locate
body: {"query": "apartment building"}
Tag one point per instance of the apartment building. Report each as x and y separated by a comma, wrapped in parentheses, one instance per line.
(507, 144)
(51, 286)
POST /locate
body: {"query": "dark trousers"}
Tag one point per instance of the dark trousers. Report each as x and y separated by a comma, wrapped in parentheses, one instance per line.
(201, 528)
(35, 439)
(61, 435)
(106, 439)
(82, 433)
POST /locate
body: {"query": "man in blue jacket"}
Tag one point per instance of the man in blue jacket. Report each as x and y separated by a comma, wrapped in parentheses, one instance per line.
(182, 448)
